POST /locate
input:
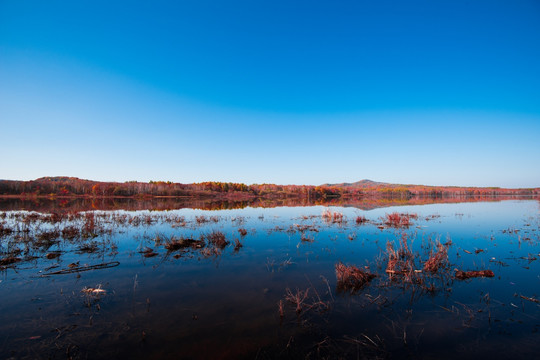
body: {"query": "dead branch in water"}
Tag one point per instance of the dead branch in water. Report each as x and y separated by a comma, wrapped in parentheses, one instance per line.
(464, 275)
(531, 299)
(75, 269)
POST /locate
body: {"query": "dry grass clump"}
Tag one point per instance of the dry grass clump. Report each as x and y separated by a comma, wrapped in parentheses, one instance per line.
(217, 238)
(307, 238)
(28, 218)
(89, 226)
(9, 260)
(351, 278)
(397, 220)
(201, 219)
(305, 227)
(49, 235)
(174, 244)
(242, 231)
(301, 302)
(360, 220)
(5, 230)
(210, 251)
(55, 218)
(437, 258)
(297, 299)
(333, 217)
(70, 232)
(400, 261)
(237, 245)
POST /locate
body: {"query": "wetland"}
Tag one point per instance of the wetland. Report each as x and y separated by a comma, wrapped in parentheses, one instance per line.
(270, 280)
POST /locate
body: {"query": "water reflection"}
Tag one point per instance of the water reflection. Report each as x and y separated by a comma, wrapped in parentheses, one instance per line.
(42, 204)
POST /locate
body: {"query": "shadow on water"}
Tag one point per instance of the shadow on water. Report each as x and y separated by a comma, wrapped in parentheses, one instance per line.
(440, 280)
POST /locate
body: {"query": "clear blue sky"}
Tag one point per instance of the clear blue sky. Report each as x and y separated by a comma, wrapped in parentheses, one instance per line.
(303, 92)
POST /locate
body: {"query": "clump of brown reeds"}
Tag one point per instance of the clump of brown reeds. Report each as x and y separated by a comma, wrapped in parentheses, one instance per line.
(218, 239)
(464, 275)
(55, 218)
(5, 230)
(70, 232)
(176, 220)
(307, 238)
(305, 227)
(397, 220)
(210, 251)
(297, 299)
(334, 217)
(437, 258)
(360, 220)
(351, 278)
(400, 261)
(301, 303)
(174, 244)
(28, 217)
(237, 245)
(201, 219)
(148, 220)
(242, 231)
(134, 221)
(89, 227)
(9, 260)
(49, 235)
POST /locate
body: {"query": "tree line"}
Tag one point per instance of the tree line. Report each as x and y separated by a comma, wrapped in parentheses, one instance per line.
(70, 186)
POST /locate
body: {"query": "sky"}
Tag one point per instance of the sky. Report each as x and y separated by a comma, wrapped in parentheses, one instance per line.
(286, 92)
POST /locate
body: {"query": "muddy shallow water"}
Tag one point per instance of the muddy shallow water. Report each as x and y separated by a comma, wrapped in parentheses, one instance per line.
(262, 283)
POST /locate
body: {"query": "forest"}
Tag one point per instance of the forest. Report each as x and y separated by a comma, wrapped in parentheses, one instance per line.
(75, 187)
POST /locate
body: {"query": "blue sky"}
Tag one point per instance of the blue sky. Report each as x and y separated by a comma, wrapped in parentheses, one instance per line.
(303, 92)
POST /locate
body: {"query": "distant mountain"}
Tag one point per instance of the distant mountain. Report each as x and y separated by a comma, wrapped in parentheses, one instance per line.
(366, 183)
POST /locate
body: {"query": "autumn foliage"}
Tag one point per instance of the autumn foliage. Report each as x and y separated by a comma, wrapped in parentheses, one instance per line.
(71, 186)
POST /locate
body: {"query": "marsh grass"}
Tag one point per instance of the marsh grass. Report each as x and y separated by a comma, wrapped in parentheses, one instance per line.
(351, 278)
(399, 221)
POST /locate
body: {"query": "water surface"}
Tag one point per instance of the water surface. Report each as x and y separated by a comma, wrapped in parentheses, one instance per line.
(108, 284)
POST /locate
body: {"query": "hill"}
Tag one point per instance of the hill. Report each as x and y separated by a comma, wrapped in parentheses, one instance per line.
(361, 184)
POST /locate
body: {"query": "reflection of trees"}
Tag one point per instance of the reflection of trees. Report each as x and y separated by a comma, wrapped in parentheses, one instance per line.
(132, 204)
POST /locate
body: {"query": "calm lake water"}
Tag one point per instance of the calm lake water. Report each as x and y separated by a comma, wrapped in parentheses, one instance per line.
(166, 284)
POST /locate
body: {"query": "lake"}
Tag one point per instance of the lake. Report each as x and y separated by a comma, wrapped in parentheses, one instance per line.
(431, 281)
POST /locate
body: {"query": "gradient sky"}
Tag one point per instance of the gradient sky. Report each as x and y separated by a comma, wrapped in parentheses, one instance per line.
(288, 92)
